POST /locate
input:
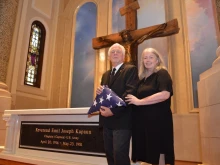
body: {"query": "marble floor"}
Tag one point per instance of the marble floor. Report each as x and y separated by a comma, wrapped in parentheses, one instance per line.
(176, 163)
(8, 162)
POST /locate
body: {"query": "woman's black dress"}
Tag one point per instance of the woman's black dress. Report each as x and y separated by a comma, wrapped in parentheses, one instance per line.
(152, 132)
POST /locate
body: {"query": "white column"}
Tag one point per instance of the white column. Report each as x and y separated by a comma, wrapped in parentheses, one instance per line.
(10, 132)
(209, 113)
(5, 104)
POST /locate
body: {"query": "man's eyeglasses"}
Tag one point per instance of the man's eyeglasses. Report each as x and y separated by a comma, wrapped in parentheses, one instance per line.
(115, 51)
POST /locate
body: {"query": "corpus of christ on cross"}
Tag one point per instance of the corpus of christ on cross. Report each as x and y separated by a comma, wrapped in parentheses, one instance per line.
(130, 38)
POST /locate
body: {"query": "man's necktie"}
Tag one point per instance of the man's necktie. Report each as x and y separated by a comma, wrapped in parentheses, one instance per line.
(112, 75)
(113, 72)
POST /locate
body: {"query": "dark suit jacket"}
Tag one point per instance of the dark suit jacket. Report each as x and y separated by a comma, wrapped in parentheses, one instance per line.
(123, 83)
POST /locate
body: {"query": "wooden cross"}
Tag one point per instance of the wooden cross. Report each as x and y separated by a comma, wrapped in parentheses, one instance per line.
(130, 38)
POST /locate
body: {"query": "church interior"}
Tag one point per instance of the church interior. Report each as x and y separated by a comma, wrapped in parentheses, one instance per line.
(54, 52)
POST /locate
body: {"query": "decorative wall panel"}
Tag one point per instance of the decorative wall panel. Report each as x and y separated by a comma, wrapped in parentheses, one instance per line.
(8, 11)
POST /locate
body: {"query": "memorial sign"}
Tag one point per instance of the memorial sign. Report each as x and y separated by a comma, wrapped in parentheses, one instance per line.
(82, 138)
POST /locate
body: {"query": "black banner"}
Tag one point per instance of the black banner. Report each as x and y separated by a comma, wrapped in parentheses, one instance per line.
(76, 138)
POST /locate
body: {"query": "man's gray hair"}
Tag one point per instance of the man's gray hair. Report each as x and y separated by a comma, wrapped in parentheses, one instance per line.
(117, 44)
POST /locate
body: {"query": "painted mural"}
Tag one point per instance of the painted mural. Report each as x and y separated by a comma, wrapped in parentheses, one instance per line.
(148, 8)
(118, 21)
(202, 39)
(84, 56)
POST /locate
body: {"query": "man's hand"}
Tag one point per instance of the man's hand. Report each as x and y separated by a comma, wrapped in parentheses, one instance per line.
(99, 90)
(106, 112)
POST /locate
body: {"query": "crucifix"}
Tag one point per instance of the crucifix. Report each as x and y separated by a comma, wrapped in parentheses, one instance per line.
(130, 38)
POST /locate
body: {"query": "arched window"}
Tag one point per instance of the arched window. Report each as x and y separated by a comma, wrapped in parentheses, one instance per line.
(84, 56)
(35, 55)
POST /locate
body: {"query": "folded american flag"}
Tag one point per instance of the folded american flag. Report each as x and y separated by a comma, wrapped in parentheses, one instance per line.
(107, 98)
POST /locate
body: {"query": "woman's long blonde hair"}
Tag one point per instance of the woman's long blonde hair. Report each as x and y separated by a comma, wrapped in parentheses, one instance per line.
(160, 64)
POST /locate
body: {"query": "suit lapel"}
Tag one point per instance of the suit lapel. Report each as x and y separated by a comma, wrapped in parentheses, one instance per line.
(116, 75)
(108, 77)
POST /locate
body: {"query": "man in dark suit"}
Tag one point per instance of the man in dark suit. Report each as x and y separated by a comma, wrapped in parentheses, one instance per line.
(116, 122)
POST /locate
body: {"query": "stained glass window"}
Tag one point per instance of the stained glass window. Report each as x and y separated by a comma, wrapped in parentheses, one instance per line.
(35, 55)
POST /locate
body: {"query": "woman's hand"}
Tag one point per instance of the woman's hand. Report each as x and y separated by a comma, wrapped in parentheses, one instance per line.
(132, 99)
(99, 90)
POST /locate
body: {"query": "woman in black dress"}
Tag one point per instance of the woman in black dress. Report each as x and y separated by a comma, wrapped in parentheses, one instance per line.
(152, 134)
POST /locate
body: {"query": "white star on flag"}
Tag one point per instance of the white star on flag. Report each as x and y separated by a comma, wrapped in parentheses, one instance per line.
(101, 100)
(109, 96)
(95, 102)
(119, 104)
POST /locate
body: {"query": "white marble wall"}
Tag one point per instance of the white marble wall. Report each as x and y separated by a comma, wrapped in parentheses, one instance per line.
(209, 104)
(187, 144)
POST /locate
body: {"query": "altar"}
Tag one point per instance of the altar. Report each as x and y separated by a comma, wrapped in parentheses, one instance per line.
(53, 137)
